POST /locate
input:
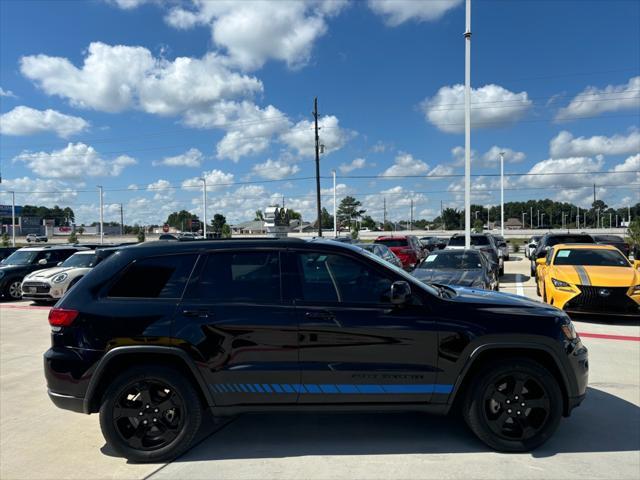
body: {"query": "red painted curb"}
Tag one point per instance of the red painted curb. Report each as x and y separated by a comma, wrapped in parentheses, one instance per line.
(609, 337)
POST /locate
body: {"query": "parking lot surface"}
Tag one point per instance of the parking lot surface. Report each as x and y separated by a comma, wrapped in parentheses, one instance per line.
(600, 440)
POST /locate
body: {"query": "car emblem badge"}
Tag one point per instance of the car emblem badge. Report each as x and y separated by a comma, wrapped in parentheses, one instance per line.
(603, 292)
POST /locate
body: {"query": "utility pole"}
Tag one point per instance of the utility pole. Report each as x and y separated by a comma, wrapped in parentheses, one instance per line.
(467, 128)
(384, 213)
(609, 219)
(629, 214)
(578, 219)
(444, 226)
(411, 216)
(523, 214)
(13, 219)
(502, 194)
(204, 207)
(121, 221)
(335, 215)
(315, 117)
(101, 214)
(531, 217)
(538, 222)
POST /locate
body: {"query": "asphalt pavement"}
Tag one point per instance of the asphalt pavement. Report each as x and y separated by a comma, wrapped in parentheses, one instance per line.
(600, 440)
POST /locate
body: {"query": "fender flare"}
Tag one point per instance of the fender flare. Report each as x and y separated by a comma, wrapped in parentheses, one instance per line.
(569, 387)
(116, 352)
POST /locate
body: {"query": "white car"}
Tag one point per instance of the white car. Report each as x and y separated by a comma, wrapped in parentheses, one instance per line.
(51, 284)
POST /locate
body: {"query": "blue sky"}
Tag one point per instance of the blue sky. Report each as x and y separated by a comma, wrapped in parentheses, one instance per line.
(144, 97)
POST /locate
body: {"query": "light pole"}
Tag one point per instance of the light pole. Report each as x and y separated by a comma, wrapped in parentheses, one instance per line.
(523, 215)
(467, 128)
(502, 194)
(335, 217)
(13, 219)
(204, 207)
(101, 215)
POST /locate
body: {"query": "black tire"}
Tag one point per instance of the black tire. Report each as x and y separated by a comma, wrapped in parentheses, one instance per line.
(174, 428)
(501, 271)
(538, 289)
(493, 415)
(13, 290)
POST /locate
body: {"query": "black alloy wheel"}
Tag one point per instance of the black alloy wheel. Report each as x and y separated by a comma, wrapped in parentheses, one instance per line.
(513, 405)
(14, 289)
(150, 414)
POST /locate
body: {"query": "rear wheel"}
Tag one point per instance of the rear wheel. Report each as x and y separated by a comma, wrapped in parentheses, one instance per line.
(150, 414)
(514, 406)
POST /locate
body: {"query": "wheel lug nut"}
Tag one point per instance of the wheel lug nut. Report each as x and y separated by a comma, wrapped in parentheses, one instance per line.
(518, 412)
(509, 411)
(140, 413)
(508, 402)
(522, 404)
(516, 397)
(155, 410)
(144, 422)
(155, 420)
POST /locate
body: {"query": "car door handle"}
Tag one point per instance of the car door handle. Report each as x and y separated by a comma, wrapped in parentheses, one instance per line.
(200, 313)
(322, 315)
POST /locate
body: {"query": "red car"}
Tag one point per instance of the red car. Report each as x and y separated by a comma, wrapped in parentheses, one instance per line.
(406, 247)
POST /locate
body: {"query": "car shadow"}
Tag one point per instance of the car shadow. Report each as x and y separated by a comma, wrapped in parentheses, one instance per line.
(603, 423)
(609, 319)
(514, 277)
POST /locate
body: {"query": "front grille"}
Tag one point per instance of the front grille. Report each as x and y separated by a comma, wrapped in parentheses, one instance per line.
(603, 299)
(39, 287)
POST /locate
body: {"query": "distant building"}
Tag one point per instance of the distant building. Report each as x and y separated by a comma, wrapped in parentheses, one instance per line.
(513, 224)
(251, 227)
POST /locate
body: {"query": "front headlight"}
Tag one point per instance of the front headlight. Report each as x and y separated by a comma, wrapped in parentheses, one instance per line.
(59, 278)
(569, 331)
(635, 291)
(561, 284)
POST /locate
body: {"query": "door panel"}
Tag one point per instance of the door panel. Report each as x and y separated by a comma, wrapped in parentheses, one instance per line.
(355, 346)
(243, 333)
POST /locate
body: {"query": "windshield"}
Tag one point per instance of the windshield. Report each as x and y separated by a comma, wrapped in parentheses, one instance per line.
(80, 260)
(453, 259)
(475, 241)
(608, 238)
(393, 242)
(20, 257)
(596, 258)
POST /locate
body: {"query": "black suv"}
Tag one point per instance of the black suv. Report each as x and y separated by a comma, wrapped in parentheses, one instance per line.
(16, 266)
(486, 243)
(160, 331)
(550, 239)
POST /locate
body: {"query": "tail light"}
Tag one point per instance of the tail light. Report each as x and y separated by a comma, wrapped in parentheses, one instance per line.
(62, 317)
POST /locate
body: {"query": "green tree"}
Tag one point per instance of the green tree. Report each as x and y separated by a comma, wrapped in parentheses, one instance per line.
(368, 222)
(226, 231)
(217, 223)
(80, 230)
(141, 236)
(5, 239)
(633, 232)
(355, 231)
(478, 226)
(181, 220)
(259, 215)
(72, 238)
(349, 210)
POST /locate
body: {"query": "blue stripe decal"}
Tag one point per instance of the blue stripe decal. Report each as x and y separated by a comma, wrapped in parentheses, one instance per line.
(348, 389)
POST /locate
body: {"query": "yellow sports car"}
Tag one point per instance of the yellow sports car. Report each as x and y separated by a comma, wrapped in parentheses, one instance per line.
(589, 278)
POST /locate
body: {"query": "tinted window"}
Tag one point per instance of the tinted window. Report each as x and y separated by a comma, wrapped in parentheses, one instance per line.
(551, 241)
(155, 277)
(600, 258)
(336, 278)
(240, 277)
(452, 259)
(475, 241)
(393, 242)
(80, 260)
(608, 238)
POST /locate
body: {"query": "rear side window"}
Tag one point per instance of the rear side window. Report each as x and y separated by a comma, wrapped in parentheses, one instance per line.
(155, 277)
(239, 277)
(569, 239)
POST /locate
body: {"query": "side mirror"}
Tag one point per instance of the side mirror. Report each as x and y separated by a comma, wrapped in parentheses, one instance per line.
(541, 261)
(400, 292)
(42, 261)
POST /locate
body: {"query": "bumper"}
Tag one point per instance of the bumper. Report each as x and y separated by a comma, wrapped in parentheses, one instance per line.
(67, 402)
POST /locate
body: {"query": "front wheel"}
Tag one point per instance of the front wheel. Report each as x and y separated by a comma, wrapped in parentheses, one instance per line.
(515, 405)
(14, 290)
(150, 414)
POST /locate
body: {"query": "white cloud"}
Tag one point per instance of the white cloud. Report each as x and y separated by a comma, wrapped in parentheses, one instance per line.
(556, 172)
(405, 164)
(355, 164)
(28, 121)
(594, 101)
(253, 32)
(440, 171)
(162, 189)
(128, 4)
(119, 77)
(398, 203)
(301, 136)
(41, 191)
(215, 180)
(629, 171)
(491, 106)
(191, 158)
(74, 161)
(566, 145)
(249, 128)
(275, 169)
(458, 156)
(492, 156)
(6, 93)
(396, 12)
(380, 147)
